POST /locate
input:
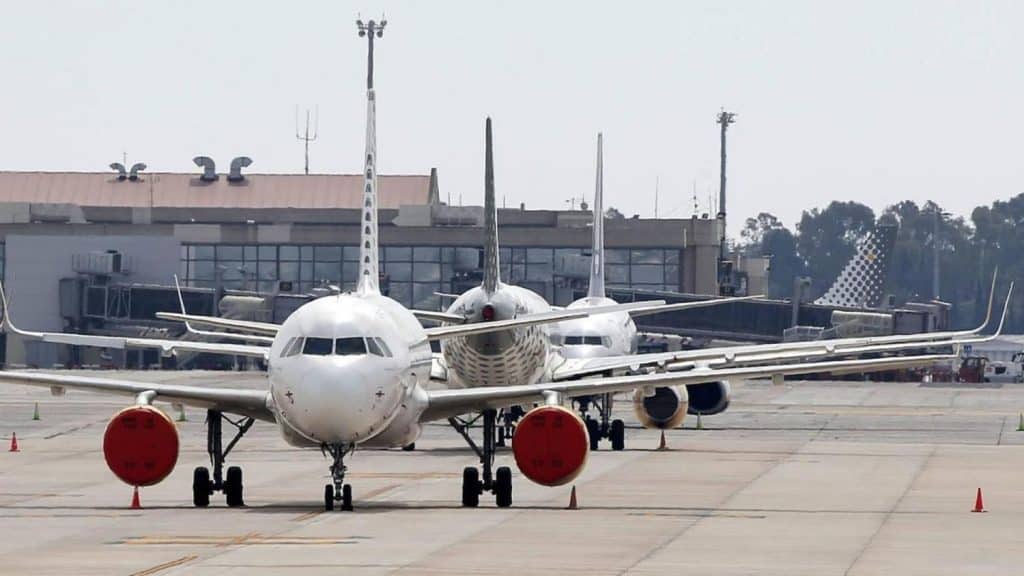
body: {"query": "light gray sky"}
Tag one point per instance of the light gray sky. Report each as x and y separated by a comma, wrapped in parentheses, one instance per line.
(870, 101)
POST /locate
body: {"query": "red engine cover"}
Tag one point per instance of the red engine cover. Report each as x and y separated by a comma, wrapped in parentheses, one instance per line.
(141, 445)
(551, 445)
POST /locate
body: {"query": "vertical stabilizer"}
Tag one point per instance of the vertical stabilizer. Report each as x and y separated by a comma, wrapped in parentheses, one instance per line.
(491, 271)
(861, 283)
(368, 251)
(597, 258)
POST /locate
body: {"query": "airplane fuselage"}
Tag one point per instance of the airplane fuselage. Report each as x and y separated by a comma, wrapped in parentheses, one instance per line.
(349, 369)
(505, 358)
(610, 334)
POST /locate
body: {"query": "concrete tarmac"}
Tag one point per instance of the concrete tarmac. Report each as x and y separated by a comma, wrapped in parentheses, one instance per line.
(803, 478)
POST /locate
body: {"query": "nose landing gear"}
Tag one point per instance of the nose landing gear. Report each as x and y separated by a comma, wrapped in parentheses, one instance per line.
(613, 430)
(337, 491)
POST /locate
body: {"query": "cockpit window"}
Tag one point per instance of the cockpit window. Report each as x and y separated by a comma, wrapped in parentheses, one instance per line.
(292, 347)
(317, 347)
(378, 347)
(349, 346)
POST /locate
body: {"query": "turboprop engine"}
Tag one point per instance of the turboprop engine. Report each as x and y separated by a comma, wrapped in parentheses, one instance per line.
(140, 445)
(551, 445)
(665, 408)
(709, 398)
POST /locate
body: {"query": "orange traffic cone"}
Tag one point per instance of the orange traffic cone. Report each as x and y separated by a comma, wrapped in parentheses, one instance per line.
(979, 505)
(572, 499)
(135, 499)
(14, 443)
(662, 445)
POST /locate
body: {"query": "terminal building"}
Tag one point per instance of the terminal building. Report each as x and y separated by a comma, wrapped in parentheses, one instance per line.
(97, 252)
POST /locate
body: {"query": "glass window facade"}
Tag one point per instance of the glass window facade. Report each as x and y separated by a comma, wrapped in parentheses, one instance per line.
(413, 274)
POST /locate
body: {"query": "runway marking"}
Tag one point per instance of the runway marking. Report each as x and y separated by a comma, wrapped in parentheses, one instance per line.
(308, 515)
(405, 475)
(250, 539)
(165, 566)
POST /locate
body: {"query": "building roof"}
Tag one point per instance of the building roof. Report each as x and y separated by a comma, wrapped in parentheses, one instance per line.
(176, 190)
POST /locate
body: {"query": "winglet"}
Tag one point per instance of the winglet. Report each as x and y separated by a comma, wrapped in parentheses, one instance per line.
(1006, 308)
(8, 324)
(492, 275)
(596, 289)
(991, 299)
(181, 301)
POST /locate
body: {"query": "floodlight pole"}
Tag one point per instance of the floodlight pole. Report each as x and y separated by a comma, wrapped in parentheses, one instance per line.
(370, 29)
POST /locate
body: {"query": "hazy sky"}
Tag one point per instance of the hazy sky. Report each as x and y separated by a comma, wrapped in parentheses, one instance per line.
(871, 101)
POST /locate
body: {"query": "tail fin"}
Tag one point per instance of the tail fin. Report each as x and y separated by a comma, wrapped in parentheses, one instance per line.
(492, 277)
(862, 281)
(368, 252)
(597, 257)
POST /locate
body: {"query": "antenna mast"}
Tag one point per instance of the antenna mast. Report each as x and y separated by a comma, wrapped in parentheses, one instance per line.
(305, 137)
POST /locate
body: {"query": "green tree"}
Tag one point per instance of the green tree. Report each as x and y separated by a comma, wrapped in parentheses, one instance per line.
(826, 239)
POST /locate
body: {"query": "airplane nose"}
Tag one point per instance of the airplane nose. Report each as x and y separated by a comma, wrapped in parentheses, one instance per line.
(339, 400)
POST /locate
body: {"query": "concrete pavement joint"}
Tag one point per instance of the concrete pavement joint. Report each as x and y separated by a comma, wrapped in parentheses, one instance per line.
(906, 490)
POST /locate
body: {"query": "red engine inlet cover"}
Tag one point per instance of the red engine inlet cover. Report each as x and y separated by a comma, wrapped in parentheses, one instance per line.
(141, 445)
(551, 445)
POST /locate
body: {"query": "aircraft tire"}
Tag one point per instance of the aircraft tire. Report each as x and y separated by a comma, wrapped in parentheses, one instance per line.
(470, 487)
(346, 497)
(618, 435)
(503, 487)
(233, 487)
(594, 432)
(328, 497)
(201, 487)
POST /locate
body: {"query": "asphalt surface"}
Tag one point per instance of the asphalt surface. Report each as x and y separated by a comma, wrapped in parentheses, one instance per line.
(802, 478)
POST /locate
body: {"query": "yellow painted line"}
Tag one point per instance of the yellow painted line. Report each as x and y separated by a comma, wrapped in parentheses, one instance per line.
(251, 539)
(405, 475)
(307, 516)
(164, 566)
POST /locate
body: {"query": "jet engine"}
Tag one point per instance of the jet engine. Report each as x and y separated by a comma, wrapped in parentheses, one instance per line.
(551, 445)
(140, 445)
(709, 398)
(666, 408)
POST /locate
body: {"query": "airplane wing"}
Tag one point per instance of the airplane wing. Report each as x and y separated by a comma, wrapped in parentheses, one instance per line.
(166, 347)
(261, 328)
(658, 309)
(254, 403)
(438, 316)
(265, 340)
(737, 355)
(452, 402)
(550, 317)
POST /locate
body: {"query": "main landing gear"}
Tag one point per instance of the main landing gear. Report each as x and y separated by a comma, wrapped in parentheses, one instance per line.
(498, 482)
(202, 484)
(337, 491)
(613, 430)
(506, 424)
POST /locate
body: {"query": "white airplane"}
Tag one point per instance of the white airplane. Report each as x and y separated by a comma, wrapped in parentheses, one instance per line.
(615, 334)
(350, 370)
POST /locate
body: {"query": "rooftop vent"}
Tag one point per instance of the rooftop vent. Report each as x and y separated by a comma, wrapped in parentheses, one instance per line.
(209, 168)
(121, 173)
(236, 168)
(133, 174)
